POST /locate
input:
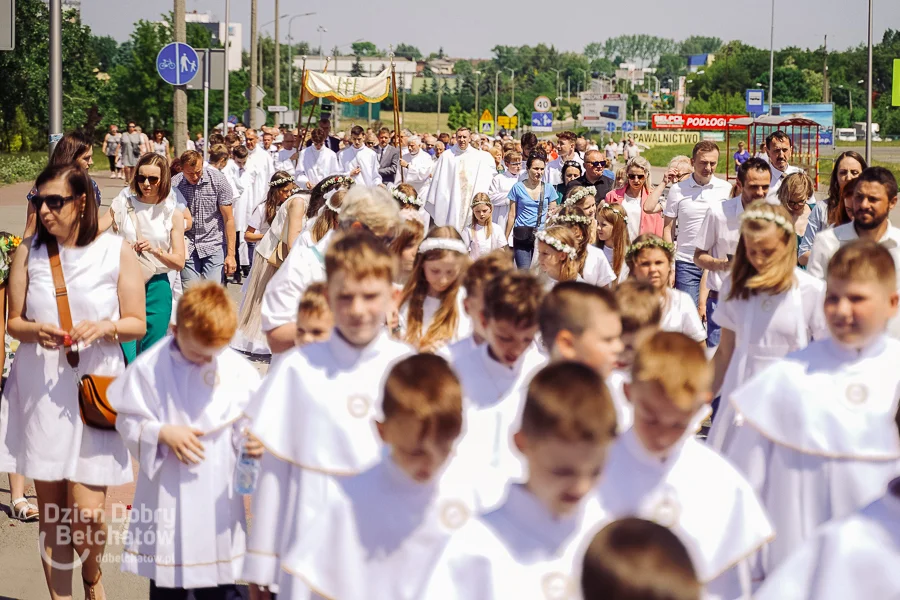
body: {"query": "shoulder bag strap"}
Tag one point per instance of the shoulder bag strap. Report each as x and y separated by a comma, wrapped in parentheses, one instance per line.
(537, 224)
(62, 298)
(134, 221)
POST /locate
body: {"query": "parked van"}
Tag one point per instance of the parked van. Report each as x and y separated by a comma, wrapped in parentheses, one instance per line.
(846, 135)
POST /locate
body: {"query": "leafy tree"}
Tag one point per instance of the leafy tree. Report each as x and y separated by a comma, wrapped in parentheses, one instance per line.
(698, 44)
(408, 51)
(364, 49)
(458, 117)
(106, 50)
(357, 69)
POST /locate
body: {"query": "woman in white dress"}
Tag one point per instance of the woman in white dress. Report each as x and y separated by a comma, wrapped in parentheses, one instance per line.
(41, 434)
(145, 215)
(769, 308)
(650, 259)
(285, 210)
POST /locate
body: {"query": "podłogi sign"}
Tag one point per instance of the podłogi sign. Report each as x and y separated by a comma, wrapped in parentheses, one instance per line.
(693, 122)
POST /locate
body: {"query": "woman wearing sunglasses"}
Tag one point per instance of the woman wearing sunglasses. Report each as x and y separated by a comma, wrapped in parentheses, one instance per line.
(147, 216)
(41, 434)
(632, 195)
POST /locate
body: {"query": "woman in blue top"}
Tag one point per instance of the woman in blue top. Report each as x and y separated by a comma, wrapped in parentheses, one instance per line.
(529, 204)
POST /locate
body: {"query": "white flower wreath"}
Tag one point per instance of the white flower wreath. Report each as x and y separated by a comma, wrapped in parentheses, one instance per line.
(573, 219)
(758, 215)
(404, 199)
(556, 244)
(606, 204)
(579, 194)
(443, 244)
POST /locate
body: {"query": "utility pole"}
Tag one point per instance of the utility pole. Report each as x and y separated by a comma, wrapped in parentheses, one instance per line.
(440, 90)
(227, 69)
(277, 62)
(254, 75)
(180, 93)
(56, 95)
(869, 94)
(826, 92)
(477, 114)
(772, 57)
(497, 101)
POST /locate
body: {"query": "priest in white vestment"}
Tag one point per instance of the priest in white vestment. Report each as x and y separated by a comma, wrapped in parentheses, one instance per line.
(286, 158)
(418, 167)
(459, 174)
(358, 161)
(316, 162)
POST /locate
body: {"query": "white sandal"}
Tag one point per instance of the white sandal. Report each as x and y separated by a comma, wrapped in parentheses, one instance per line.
(28, 513)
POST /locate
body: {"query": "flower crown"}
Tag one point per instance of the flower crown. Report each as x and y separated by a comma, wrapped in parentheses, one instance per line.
(556, 244)
(583, 220)
(336, 180)
(477, 201)
(579, 194)
(622, 214)
(281, 181)
(758, 215)
(9, 243)
(443, 244)
(404, 199)
(660, 243)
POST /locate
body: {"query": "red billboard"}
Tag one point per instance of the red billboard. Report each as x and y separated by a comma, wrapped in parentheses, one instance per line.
(693, 122)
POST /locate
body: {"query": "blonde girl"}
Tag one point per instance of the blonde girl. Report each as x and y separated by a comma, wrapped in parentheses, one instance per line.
(584, 198)
(770, 307)
(280, 188)
(408, 199)
(650, 259)
(405, 245)
(431, 304)
(613, 238)
(482, 236)
(794, 195)
(327, 220)
(593, 266)
(557, 254)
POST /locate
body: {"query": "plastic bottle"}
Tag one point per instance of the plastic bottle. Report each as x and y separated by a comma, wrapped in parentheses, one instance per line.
(246, 471)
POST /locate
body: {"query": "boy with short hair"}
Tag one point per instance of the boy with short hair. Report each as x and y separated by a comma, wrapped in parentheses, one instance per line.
(495, 375)
(315, 409)
(475, 280)
(314, 318)
(659, 471)
(179, 407)
(819, 440)
(532, 546)
(378, 533)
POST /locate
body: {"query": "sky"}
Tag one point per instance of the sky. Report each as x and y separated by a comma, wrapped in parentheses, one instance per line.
(470, 28)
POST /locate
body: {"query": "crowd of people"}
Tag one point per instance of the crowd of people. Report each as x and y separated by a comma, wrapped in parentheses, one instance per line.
(497, 368)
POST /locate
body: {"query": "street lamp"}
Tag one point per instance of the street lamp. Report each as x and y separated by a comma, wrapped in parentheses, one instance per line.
(772, 56)
(321, 30)
(513, 84)
(869, 94)
(477, 77)
(497, 100)
(585, 75)
(291, 58)
(557, 86)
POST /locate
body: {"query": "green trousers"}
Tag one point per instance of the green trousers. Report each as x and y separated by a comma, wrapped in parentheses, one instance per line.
(159, 311)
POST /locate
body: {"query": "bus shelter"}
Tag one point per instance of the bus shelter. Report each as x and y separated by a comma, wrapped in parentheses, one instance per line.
(804, 135)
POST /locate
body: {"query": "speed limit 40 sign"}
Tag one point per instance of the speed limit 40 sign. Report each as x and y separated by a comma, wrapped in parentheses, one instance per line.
(542, 104)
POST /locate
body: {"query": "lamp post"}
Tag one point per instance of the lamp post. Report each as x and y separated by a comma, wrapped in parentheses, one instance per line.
(512, 82)
(227, 71)
(321, 30)
(477, 115)
(496, 100)
(291, 59)
(557, 87)
(869, 94)
(585, 75)
(772, 54)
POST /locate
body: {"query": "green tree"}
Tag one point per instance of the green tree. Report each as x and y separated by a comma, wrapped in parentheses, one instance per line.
(357, 69)
(458, 117)
(408, 51)
(364, 49)
(106, 50)
(698, 44)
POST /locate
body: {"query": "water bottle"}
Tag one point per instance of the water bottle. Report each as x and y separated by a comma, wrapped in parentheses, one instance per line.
(246, 471)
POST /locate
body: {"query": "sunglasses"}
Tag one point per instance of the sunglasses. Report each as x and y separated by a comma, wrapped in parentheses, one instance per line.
(153, 179)
(596, 163)
(53, 201)
(635, 177)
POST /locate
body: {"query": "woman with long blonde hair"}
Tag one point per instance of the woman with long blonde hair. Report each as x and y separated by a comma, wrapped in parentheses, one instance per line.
(613, 238)
(431, 304)
(769, 307)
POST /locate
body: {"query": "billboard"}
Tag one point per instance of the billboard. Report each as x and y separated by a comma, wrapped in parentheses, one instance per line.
(821, 113)
(599, 109)
(665, 138)
(693, 122)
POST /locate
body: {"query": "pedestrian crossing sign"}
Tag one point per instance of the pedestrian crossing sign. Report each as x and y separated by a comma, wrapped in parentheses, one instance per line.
(486, 123)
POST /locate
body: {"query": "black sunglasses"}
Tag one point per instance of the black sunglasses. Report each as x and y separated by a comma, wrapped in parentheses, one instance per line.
(635, 176)
(53, 201)
(596, 163)
(153, 179)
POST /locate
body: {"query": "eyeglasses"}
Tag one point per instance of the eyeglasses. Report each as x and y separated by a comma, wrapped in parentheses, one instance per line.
(596, 163)
(635, 177)
(53, 201)
(153, 179)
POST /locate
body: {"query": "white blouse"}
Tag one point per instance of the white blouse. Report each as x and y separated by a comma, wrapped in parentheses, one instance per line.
(481, 244)
(681, 315)
(155, 220)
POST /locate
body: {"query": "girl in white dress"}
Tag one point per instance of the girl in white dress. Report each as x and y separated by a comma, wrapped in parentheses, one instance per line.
(502, 184)
(650, 260)
(557, 256)
(584, 198)
(593, 266)
(769, 308)
(41, 434)
(408, 199)
(328, 219)
(482, 236)
(613, 238)
(431, 304)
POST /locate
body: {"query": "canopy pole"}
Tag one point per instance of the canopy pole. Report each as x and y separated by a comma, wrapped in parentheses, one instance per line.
(396, 110)
(312, 110)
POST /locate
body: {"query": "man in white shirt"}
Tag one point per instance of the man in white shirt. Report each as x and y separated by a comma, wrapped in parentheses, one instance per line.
(612, 151)
(316, 162)
(631, 149)
(417, 166)
(286, 158)
(567, 153)
(779, 149)
(358, 161)
(686, 206)
(719, 233)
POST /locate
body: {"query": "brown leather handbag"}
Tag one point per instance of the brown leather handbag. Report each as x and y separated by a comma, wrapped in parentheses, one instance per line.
(93, 404)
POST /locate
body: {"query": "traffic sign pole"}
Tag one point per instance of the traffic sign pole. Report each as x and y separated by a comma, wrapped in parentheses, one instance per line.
(180, 94)
(206, 66)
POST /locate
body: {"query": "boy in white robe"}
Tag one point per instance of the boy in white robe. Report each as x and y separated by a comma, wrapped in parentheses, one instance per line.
(818, 440)
(179, 411)
(358, 161)
(494, 376)
(315, 410)
(316, 162)
(477, 276)
(850, 559)
(580, 322)
(531, 547)
(379, 532)
(658, 470)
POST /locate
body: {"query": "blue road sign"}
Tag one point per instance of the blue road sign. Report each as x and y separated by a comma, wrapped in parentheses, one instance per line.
(610, 126)
(177, 63)
(541, 121)
(627, 126)
(233, 120)
(755, 101)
